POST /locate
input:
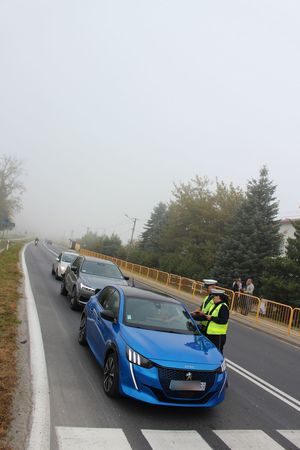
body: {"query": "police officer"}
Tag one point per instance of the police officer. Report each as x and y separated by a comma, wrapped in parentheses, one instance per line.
(217, 318)
(199, 313)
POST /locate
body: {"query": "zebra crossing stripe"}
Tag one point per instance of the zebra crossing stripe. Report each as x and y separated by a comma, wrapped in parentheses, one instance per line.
(292, 435)
(76, 438)
(247, 439)
(175, 440)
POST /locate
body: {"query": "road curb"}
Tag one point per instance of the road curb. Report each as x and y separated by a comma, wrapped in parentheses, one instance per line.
(39, 437)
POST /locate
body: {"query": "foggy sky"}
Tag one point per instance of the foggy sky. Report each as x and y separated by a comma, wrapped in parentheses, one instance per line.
(108, 103)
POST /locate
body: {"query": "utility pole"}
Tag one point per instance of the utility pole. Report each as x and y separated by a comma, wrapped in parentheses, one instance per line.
(133, 219)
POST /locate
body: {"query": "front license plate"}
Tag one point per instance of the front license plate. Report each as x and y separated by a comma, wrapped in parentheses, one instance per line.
(181, 385)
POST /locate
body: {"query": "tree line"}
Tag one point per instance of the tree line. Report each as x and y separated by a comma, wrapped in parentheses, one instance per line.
(213, 230)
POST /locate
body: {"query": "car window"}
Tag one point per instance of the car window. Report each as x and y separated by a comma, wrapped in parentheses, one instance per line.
(113, 303)
(158, 315)
(77, 262)
(101, 269)
(104, 296)
(68, 257)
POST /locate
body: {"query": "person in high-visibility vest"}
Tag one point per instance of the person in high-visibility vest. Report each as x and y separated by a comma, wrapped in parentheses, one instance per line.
(217, 319)
(199, 313)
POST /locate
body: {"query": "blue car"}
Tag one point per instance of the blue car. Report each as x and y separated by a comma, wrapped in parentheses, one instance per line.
(151, 349)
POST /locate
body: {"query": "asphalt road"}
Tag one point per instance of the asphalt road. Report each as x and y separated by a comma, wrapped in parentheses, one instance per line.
(77, 398)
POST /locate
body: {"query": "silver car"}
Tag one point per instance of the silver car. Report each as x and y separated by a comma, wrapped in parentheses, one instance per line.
(61, 263)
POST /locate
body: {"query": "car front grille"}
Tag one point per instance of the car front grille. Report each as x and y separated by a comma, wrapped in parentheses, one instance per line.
(166, 375)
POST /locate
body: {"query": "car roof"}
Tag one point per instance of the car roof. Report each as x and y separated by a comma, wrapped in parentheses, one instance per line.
(92, 258)
(147, 295)
(70, 252)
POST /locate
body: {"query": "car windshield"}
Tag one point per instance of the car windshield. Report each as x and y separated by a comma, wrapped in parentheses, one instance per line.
(158, 315)
(101, 269)
(68, 257)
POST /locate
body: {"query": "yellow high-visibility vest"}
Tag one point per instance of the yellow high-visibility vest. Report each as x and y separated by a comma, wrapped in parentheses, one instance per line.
(206, 305)
(213, 327)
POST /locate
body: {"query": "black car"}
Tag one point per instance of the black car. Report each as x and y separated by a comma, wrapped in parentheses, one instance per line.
(86, 276)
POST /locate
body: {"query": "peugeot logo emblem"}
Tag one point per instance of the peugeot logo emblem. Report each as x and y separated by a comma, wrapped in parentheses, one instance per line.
(188, 376)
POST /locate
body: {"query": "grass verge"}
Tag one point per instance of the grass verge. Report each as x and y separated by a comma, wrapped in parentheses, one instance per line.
(10, 294)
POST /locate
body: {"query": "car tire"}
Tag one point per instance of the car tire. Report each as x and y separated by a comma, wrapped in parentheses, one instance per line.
(63, 289)
(57, 277)
(73, 300)
(53, 271)
(111, 376)
(82, 330)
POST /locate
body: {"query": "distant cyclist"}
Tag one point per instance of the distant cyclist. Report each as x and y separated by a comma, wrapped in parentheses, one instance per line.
(36, 241)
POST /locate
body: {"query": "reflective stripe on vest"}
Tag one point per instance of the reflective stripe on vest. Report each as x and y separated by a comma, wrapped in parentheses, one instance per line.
(213, 327)
(206, 306)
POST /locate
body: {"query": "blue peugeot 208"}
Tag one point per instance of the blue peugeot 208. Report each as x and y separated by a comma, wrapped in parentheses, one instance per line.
(151, 349)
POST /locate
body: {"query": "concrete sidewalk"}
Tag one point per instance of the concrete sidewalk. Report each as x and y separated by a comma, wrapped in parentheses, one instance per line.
(262, 325)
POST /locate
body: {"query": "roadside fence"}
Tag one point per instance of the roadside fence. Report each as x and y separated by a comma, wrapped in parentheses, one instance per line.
(259, 309)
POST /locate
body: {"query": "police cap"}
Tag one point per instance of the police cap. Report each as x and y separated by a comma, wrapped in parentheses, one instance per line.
(208, 282)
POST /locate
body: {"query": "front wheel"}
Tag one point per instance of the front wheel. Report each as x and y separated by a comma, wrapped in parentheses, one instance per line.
(111, 376)
(82, 330)
(57, 277)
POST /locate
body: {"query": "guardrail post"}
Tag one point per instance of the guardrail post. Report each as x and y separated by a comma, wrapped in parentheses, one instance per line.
(179, 285)
(194, 288)
(168, 279)
(291, 321)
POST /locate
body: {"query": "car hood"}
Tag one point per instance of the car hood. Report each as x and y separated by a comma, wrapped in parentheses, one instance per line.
(184, 350)
(97, 282)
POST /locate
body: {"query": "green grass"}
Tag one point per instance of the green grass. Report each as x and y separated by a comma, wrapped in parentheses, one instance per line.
(10, 295)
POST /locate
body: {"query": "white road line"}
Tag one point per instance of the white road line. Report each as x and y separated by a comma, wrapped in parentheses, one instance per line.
(39, 437)
(70, 438)
(175, 440)
(49, 249)
(291, 435)
(247, 439)
(291, 401)
(289, 397)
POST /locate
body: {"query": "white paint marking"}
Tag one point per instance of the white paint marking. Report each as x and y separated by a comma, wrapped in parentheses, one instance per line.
(291, 435)
(293, 402)
(247, 439)
(175, 440)
(70, 438)
(39, 437)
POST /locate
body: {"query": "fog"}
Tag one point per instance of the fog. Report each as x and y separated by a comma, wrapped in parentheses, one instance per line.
(108, 103)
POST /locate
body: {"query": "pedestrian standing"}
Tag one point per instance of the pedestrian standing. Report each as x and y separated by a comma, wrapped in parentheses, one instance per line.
(249, 289)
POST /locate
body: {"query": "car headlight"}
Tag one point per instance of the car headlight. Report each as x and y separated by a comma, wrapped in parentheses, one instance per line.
(139, 360)
(86, 288)
(223, 367)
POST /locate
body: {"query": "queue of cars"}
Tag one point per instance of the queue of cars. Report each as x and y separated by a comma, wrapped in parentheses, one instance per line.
(148, 344)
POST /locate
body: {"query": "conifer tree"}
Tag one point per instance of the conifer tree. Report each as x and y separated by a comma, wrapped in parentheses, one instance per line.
(281, 276)
(252, 235)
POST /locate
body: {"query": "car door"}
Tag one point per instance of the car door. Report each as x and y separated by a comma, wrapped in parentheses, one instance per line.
(72, 276)
(104, 330)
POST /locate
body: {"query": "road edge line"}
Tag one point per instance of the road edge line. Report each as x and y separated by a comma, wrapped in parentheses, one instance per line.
(39, 437)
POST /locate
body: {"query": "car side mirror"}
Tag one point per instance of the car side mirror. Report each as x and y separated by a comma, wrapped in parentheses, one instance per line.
(108, 315)
(74, 269)
(126, 278)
